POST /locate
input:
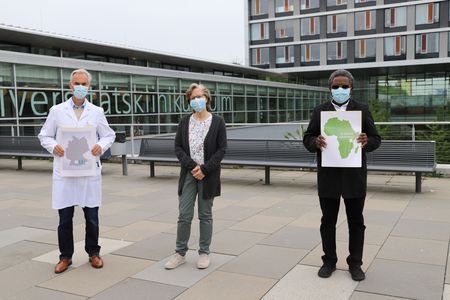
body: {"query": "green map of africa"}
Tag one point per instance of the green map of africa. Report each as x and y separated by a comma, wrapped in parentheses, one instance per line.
(345, 134)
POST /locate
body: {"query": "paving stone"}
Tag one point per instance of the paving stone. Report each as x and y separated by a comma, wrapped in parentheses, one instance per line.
(21, 277)
(263, 224)
(404, 279)
(446, 295)
(302, 282)
(17, 234)
(265, 261)
(235, 213)
(422, 229)
(415, 250)
(21, 251)
(41, 293)
(314, 258)
(234, 242)
(155, 247)
(294, 237)
(185, 275)
(427, 214)
(137, 231)
(370, 296)
(80, 256)
(137, 289)
(87, 281)
(222, 285)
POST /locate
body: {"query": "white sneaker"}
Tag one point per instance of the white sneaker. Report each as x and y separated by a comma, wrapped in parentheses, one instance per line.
(203, 261)
(175, 261)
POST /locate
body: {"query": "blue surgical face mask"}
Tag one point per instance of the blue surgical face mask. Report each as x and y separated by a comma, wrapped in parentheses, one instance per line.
(340, 95)
(80, 91)
(198, 104)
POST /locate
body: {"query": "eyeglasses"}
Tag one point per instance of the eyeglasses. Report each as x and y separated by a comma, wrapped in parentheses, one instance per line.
(335, 87)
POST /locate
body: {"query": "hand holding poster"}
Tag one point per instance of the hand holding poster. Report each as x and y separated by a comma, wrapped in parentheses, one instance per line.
(341, 129)
(77, 143)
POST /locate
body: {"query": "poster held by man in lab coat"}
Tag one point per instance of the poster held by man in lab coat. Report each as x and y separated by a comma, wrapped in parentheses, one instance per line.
(77, 143)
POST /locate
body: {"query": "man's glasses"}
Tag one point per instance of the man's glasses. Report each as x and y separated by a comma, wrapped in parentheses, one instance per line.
(335, 87)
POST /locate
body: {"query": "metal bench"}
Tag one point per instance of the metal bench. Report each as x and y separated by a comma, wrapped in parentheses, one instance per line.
(22, 146)
(30, 146)
(392, 156)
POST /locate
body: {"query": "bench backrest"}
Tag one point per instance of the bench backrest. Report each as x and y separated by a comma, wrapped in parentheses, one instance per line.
(157, 147)
(268, 151)
(404, 155)
(21, 145)
(392, 155)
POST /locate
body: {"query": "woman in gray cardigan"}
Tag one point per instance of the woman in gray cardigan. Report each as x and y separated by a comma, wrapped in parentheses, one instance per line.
(200, 145)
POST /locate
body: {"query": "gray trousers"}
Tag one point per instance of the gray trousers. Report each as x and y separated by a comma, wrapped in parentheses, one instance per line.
(192, 188)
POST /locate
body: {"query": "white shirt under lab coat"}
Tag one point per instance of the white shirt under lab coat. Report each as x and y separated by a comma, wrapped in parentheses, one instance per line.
(71, 191)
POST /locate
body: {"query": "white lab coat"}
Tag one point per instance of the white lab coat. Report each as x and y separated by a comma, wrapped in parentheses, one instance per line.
(71, 191)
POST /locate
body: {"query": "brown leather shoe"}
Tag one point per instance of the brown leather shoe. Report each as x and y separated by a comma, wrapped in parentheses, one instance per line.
(96, 261)
(62, 265)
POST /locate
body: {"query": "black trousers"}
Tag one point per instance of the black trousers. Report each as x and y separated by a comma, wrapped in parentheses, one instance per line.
(354, 209)
(65, 231)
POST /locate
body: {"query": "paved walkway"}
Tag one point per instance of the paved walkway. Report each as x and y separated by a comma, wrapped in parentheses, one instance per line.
(266, 242)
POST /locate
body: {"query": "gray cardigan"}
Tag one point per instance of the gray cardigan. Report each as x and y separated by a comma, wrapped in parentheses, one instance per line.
(214, 150)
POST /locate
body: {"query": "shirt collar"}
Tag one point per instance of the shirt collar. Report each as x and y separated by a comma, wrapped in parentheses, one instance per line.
(82, 106)
(343, 107)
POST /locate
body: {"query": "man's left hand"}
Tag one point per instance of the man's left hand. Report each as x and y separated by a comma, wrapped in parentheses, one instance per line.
(362, 139)
(96, 150)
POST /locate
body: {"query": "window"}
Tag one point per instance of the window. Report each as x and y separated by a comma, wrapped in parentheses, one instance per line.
(259, 7)
(308, 4)
(336, 2)
(310, 26)
(427, 13)
(394, 46)
(427, 43)
(282, 6)
(260, 31)
(365, 48)
(337, 23)
(395, 17)
(337, 50)
(310, 53)
(283, 29)
(365, 20)
(285, 55)
(364, 1)
(260, 56)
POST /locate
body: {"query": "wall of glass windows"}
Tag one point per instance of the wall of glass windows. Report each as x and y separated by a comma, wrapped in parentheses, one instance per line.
(403, 96)
(144, 101)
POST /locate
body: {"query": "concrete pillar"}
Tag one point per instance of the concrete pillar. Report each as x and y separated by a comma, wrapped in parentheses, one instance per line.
(350, 24)
(323, 54)
(411, 18)
(443, 44)
(380, 49)
(410, 47)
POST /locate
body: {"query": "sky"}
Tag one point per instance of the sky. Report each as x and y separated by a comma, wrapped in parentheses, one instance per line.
(205, 29)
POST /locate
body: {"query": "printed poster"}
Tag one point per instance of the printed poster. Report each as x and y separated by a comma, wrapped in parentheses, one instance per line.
(77, 142)
(341, 129)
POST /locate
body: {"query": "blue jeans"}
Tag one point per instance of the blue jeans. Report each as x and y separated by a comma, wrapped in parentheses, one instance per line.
(65, 231)
(191, 189)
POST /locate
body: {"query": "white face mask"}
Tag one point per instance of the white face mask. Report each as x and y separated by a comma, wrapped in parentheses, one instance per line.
(80, 91)
(340, 95)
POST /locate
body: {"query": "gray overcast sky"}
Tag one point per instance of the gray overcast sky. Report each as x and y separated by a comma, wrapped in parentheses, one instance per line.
(207, 29)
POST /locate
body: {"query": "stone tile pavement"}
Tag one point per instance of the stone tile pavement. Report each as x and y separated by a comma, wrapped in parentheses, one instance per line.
(266, 242)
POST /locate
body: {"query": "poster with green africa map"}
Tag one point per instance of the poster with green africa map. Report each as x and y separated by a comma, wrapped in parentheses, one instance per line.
(340, 129)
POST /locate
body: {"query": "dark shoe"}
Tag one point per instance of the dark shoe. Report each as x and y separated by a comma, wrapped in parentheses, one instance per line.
(357, 273)
(62, 265)
(96, 261)
(326, 270)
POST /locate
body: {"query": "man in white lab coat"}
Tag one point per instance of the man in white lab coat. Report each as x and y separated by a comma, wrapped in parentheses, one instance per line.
(69, 192)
